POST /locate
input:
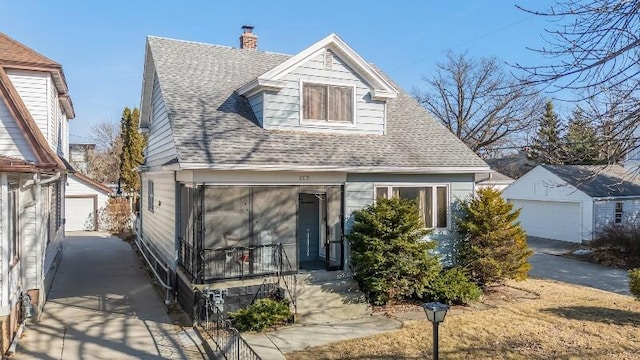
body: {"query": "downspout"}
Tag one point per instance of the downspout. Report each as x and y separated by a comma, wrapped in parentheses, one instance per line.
(4, 219)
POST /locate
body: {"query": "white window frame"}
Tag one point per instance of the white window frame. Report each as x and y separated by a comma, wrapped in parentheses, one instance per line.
(327, 123)
(617, 215)
(434, 201)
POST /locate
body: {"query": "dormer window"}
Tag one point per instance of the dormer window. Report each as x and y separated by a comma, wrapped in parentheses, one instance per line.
(330, 103)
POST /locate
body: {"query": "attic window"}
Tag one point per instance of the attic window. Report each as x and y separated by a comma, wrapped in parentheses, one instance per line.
(327, 103)
(328, 59)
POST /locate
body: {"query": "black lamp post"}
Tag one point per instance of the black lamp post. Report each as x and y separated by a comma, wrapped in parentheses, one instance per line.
(435, 313)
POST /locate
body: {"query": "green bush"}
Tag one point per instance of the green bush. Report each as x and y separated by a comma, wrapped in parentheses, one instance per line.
(453, 286)
(634, 283)
(493, 245)
(390, 258)
(261, 315)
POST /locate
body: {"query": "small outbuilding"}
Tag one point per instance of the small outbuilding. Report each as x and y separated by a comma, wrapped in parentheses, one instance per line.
(493, 180)
(85, 198)
(573, 202)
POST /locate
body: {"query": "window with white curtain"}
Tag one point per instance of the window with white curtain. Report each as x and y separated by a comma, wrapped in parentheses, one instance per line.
(329, 103)
(432, 201)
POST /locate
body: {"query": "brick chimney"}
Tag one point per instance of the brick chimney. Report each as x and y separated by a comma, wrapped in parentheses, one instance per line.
(248, 40)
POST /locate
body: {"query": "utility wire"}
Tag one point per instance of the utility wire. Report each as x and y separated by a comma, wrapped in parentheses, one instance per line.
(464, 43)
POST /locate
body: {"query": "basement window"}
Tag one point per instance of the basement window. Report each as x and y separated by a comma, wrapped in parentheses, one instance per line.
(618, 213)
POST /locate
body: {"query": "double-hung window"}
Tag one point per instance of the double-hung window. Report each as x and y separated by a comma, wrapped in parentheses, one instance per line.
(618, 213)
(329, 103)
(432, 201)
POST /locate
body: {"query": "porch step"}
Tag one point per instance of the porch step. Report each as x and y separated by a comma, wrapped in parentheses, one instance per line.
(326, 296)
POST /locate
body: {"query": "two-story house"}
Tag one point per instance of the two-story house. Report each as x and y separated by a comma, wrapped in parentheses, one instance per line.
(254, 156)
(35, 108)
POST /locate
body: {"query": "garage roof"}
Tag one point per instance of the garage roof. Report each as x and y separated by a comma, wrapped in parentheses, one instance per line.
(599, 180)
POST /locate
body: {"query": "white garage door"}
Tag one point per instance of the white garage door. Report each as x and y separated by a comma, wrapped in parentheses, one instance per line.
(79, 213)
(551, 219)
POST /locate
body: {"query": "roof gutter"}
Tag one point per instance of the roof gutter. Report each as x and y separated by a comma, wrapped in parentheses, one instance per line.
(351, 169)
(608, 198)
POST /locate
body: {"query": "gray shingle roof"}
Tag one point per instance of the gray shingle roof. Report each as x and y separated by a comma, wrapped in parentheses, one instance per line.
(599, 181)
(212, 124)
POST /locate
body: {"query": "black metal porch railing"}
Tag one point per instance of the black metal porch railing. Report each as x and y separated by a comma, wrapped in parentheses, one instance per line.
(228, 341)
(241, 262)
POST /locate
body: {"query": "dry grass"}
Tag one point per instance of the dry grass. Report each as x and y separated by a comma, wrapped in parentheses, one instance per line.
(565, 322)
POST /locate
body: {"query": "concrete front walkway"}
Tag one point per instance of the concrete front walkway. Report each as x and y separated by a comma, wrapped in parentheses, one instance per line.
(547, 264)
(273, 345)
(102, 306)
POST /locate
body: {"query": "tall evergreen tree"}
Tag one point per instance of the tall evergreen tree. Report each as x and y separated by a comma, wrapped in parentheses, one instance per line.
(547, 145)
(493, 245)
(132, 147)
(581, 146)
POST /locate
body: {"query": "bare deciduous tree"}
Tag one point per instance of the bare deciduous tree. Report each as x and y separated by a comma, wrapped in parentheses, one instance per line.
(105, 163)
(593, 49)
(479, 102)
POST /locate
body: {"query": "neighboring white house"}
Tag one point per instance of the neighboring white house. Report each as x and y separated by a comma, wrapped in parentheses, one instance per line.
(85, 200)
(34, 111)
(250, 152)
(573, 202)
(493, 180)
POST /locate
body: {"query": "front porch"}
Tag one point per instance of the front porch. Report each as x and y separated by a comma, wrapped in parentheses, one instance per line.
(254, 239)
(241, 232)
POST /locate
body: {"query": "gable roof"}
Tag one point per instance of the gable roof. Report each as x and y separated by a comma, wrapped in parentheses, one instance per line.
(598, 180)
(15, 55)
(91, 182)
(381, 87)
(214, 127)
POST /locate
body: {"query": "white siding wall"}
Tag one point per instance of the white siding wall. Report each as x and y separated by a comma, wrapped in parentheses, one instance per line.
(33, 87)
(541, 185)
(158, 227)
(282, 110)
(160, 145)
(31, 249)
(39, 94)
(12, 141)
(4, 241)
(604, 212)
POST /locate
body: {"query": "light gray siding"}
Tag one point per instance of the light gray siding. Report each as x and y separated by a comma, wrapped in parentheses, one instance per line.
(160, 145)
(604, 212)
(158, 226)
(257, 104)
(282, 109)
(360, 193)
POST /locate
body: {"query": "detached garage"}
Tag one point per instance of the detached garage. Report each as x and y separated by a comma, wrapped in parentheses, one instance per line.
(573, 202)
(84, 199)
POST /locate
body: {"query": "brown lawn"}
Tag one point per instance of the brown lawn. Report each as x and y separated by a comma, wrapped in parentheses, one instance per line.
(565, 322)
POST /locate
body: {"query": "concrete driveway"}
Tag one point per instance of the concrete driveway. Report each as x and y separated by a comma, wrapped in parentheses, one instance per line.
(547, 264)
(103, 306)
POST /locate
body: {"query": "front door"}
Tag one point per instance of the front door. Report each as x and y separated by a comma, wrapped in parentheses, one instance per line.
(309, 231)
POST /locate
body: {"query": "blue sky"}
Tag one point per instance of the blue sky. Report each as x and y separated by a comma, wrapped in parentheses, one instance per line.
(100, 44)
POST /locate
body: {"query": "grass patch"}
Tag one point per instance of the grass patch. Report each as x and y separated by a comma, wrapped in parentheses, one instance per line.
(565, 322)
